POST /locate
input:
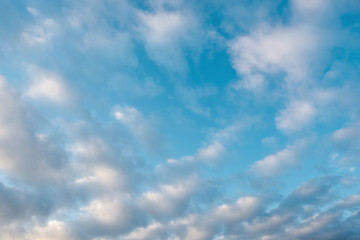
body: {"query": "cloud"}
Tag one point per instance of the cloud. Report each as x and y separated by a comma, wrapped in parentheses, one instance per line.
(253, 82)
(104, 178)
(296, 116)
(244, 208)
(285, 48)
(99, 31)
(100, 167)
(141, 128)
(311, 7)
(106, 217)
(315, 105)
(313, 225)
(275, 164)
(98, 171)
(20, 206)
(269, 50)
(109, 211)
(49, 86)
(56, 230)
(353, 200)
(170, 199)
(165, 34)
(152, 231)
(346, 134)
(33, 11)
(306, 199)
(40, 33)
(346, 140)
(248, 217)
(230, 133)
(210, 153)
(263, 225)
(23, 154)
(192, 226)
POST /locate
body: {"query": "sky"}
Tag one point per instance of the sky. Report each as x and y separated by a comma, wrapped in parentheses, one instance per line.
(179, 119)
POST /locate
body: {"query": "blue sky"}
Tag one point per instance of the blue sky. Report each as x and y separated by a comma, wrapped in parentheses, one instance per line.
(179, 119)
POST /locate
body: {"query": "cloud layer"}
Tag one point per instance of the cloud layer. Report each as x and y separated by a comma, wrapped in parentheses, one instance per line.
(179, 120)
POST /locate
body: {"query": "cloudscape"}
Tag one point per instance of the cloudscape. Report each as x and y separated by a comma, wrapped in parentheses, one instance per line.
(179, 119)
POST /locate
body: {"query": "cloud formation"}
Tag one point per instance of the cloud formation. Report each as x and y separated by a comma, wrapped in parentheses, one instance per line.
(179, 120)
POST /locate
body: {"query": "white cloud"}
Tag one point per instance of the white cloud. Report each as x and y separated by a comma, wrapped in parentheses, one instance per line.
(109, 210)
(269, 141)
(274, 164)
(56, 230)
(33, 11)
(245, 207)
(252, 82)
(310, 6)
(347, 141)
(100, 31)
(99, 168)
(311, 106)
(210, 153)
(346, 134)
(293, 51)
(91, 148)
(165, 34)
(106, 216)
(99, 192)
(296, 116)
(193, 226)
(152, 231)
(273, 50)
(141, 127)
(189, 227)
(108, 178)
(49, 86)
(162, 27)
(41, 33)
(231, 132)
(170, 198)
(194, 233)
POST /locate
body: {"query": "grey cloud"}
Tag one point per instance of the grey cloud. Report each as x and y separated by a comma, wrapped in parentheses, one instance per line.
(314, 192)
(21, 206)
(107, 217)
(25, 154)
